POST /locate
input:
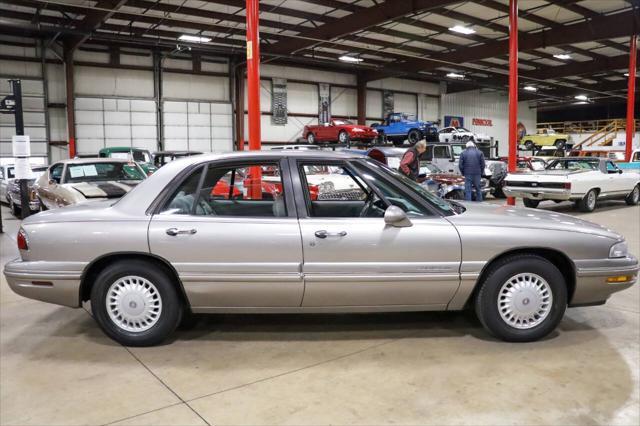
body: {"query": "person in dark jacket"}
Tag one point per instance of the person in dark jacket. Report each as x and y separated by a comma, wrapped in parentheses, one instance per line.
(472, 166)
(410, 163)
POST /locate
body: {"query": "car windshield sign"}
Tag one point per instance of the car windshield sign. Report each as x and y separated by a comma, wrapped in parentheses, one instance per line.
(103, 171)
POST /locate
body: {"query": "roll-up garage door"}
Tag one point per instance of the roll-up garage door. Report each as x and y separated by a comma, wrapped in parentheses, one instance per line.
(34, 121)
(107, 122)
(198, 126)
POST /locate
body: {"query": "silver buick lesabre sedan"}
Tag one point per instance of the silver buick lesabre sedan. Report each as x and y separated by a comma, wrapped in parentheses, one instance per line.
(260, 232)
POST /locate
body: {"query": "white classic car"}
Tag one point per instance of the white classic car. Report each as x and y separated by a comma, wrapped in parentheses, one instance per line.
(86, 179)
(582, 180)
(460, 134)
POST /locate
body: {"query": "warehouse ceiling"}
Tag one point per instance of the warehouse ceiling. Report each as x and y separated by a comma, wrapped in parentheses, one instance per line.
(411, 39)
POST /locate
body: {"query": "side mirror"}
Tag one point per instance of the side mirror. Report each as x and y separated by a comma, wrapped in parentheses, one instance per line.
(395, 216)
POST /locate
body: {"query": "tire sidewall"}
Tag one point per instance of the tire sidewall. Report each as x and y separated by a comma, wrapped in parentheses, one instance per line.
(487, 300)
(343, 137)
(584, 203)
(311, 138)
(635, 193)
(171, 304)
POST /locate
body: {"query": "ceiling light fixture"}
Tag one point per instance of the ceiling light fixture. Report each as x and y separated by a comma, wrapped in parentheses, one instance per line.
(455, 75)
(352, 59)
(530, 89)
(582, 98)
(462, 30)
(563, 56)
(194, 39)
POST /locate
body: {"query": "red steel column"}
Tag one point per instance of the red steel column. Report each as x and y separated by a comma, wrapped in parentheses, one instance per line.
(513, 89)
(71, 114)
(253, 91)
(631, 97)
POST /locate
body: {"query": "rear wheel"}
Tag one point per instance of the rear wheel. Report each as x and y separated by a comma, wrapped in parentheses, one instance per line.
(529, 145)
(522, 299)
(311, 139)
(135, 303)
(634, 196)
(560, 143)
(589, 201)
(343, 137)
(532, 204)
(414, 136)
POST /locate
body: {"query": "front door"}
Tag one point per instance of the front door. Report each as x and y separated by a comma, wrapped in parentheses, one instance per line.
(353, 259)
(231, 232)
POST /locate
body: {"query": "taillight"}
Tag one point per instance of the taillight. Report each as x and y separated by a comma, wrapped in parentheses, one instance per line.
(567, 185)
(22, 240)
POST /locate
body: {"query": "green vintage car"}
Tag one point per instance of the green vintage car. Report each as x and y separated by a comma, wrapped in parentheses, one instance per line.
(141, 156)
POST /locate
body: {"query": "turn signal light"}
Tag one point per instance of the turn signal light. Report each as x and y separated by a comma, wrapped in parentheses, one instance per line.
(620, 279)
(567, 185)
(22, 240)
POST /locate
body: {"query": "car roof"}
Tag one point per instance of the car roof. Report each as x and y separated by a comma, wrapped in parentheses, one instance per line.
(122, 149)
(177, 152)
(93, 160)
(582, 159)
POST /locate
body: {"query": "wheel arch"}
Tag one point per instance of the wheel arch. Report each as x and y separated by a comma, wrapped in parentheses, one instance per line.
(94, 268)
(559, 259)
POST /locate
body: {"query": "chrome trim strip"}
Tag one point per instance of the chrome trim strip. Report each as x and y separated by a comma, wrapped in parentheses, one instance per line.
(379, 278)
(240, 277)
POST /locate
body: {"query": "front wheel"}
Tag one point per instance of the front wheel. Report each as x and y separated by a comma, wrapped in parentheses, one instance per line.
(343, 137)
(414, 136)
(135, 303)
(634, 196)
(588, 202)
(532, 204)
(560, 143)
(311, 139)
(522, 299)
(529, 145)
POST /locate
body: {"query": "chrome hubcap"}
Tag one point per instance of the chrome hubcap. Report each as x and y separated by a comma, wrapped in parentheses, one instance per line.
(525, 300)
(636, 194)
(591, 200)
(134, 303)
(343, 137)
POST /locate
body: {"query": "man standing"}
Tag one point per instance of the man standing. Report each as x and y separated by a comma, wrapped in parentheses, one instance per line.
(410, 163)
(472, 167)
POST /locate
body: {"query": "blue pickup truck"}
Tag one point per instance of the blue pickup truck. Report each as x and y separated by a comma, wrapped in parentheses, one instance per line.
(634, 163)
(399, 126)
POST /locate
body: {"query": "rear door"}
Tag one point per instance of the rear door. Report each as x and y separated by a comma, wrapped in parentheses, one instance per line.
(231, 232)
(353, 259)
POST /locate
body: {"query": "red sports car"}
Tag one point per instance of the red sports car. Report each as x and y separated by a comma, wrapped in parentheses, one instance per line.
(341, 131)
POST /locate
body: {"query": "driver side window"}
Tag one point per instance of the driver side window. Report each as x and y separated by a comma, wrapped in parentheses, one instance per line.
(55, 173)
(612, 168)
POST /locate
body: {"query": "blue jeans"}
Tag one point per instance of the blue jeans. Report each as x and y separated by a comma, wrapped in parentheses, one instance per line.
(471, 182)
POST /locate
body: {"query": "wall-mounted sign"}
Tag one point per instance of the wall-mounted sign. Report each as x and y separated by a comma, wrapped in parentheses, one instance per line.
(453, 121)
(482, 122)
(21, 146)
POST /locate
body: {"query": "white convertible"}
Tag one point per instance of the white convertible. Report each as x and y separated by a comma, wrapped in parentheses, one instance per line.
(582, 180)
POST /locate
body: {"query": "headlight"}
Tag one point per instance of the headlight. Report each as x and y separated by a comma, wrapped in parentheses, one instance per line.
(620, 249)
(358, 130)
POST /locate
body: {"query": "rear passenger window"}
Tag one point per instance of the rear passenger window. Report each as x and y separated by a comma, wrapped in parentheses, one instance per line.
(246, 190)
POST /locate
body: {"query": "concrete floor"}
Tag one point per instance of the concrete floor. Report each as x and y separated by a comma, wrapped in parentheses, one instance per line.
(56, 367)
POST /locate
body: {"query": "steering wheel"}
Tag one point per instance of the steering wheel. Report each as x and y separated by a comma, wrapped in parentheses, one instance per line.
(370, 204)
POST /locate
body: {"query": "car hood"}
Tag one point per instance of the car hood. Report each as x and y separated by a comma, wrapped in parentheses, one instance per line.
(448, 178)
(485, 214)
(102, 189)
(357, 126)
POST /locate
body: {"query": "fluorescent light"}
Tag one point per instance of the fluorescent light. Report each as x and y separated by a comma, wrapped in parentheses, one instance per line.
(530, 88)
(347, 58)
(563, 56)
(462, 30)
(626, 74)
(455, 75)
(194, 39)
(582, 98)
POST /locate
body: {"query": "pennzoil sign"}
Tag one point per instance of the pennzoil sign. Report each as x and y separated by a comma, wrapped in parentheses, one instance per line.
(482, 122)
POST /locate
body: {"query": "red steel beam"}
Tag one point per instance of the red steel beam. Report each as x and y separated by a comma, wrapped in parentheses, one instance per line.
(71, 115)
(253, 91)
(631, 96)
(513, 89)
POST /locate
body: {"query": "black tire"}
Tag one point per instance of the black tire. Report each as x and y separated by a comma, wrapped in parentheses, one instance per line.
(15, 210)
(311, 139)
(588, 202)
(414, 136)
(560, 143)
(634, 196)
(457, 194)
(532, 204)
(498, 192)
(171, 305)
(529, 145)
(343, 137)
(492, 293)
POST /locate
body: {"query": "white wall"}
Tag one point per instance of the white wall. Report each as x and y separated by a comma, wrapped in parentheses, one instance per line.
(487, 105)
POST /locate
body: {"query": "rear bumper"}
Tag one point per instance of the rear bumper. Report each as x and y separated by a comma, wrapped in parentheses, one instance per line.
(591, 279)
(52, 282)
(538, 193)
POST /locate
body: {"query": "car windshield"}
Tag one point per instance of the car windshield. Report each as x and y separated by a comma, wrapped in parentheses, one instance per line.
(574, 164)
(538, 164)
(438, 203)
(90, 172)
(457, 150)
(137, 155)
(427, 167)
(462, 129)
(341, 122)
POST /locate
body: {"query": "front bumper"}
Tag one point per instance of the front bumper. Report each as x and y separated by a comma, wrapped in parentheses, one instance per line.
(591, 279)
(363, 136)
(538, 193)
(34, 205)
(52, 282)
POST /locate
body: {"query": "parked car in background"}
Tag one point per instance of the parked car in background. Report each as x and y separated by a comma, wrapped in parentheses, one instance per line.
(294, 147)
(634, 163)
(524, 164)
(341, 131)
(546, 137)
(582, 180)
(398, 127)
(549, 153)
(7, 173)
(161, 158)
(14, 193)
(460, 135)
(141, 156)
(87, 179)
(446, 185)
(389, 245)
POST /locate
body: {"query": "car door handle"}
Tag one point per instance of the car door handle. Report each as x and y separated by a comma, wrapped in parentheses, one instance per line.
(175, 231)
(325, 234)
